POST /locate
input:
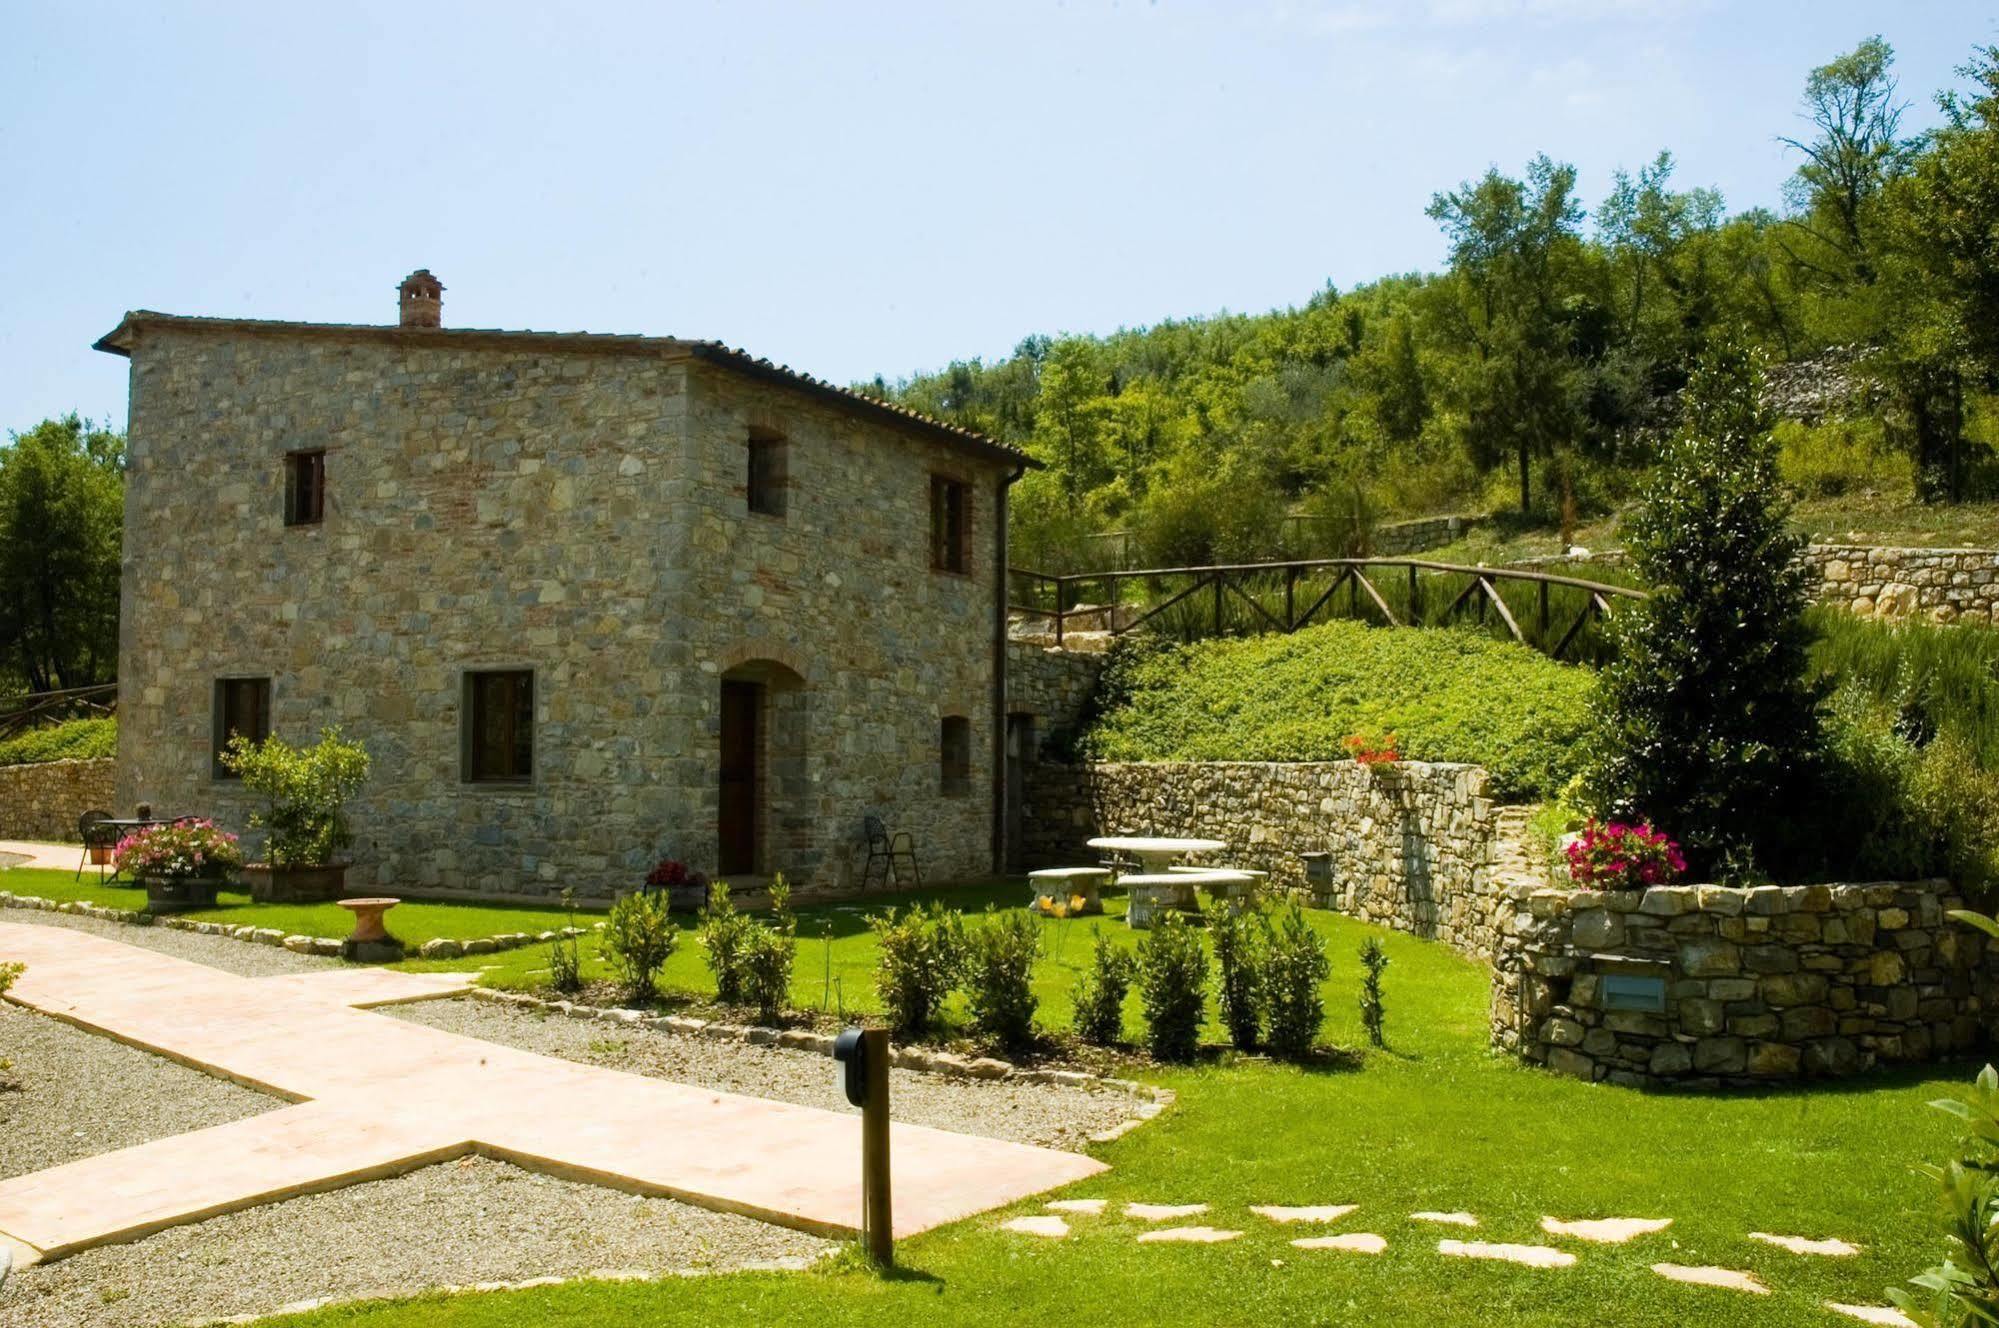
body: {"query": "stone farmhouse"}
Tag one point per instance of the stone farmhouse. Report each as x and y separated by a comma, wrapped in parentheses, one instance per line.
(589, 600)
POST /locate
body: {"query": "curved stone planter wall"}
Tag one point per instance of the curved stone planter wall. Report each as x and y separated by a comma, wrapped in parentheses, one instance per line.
(42, 801)
(1753, 985)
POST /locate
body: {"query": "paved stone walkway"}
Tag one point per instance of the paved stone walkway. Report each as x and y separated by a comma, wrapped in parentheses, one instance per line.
(380, 1096)
(50, 857)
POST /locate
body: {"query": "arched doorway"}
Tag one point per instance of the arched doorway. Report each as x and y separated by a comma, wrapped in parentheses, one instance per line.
(761, 807)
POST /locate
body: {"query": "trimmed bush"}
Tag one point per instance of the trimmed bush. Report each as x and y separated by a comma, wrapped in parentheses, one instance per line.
(1292, 974)
(999, 975)
(1373, 1015)
(1100, 991)
(638, 939)
(1241, 950)
(724, 934)
(768, 952)
(922, 952)
(1173, 987)
(1447, 696)
(72, 740)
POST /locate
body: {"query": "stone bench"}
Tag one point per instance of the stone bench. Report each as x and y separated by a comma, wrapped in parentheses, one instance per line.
(1175, 891)
(1242, 888)
(1057, 890)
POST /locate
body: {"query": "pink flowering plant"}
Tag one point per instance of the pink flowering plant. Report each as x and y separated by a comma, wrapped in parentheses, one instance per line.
(1620, 856)
(185, 849)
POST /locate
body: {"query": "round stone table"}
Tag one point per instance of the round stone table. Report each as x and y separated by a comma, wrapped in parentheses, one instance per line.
(1155, 852)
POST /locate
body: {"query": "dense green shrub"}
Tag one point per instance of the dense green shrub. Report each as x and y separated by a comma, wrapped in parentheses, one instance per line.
(1100, 991)
(1446, 695)
(1707, 726)
(1173, 987)
(999, 975)
(1297, 964)
(305, 792)
(1938, 679)
(72, 740)
(1373, 1013)
(1839, 457)
(724, 934)
(768, 952)
(921, 954)
(1241, 950)
(638, 939)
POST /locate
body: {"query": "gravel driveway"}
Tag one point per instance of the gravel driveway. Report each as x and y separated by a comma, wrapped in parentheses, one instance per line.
(238, 957)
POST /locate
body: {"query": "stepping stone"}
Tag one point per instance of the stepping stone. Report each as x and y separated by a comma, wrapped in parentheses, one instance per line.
(1831, 1248)
(1319, 1213)
(1163, 1212)
(1087, 1207)
(1886, 1315)
(1728, 1279)
(1446, 1219)
(1191, 1235)
(1353, 1242)
(1052, 1228)
(1530, 1256)
(1606, 1230)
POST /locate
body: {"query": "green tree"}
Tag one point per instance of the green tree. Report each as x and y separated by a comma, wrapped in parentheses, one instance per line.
(61, 523)
(1705, 725)
(1855, 151)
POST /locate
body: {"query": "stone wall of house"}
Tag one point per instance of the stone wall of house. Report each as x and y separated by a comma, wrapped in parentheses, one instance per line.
(1410, 846)
(1944, 585)
(579, 510)
(44, 800)
(1053, 688)
(1751, 985)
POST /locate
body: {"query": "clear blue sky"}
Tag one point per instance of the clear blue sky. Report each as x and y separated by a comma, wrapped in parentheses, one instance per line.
(849, 188)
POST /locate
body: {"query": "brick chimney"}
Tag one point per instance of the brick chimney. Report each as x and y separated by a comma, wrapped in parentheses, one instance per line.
(422, 299)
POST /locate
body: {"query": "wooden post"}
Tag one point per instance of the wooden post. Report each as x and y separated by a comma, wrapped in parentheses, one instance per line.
(1218, 603)
(1415, 600)
(877, 1212)
(1290, 592)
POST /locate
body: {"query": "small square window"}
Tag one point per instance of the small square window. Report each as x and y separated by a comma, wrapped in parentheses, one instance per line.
(305, 488)
(950, 532)
(242, 707)
(956, 751)
(767, 474)
(497, 720)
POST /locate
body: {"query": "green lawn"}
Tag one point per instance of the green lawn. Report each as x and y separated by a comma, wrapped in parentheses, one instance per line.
(1435, 1122)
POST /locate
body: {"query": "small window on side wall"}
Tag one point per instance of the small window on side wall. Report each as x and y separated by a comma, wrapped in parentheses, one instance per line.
(955, 746)
(497, 719)
(242, 708)
(950, 533)
(305, 488)
(767, 477)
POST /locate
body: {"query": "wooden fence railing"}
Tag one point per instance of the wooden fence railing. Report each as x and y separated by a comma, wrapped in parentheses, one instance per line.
(1062, 599)
(21, 713)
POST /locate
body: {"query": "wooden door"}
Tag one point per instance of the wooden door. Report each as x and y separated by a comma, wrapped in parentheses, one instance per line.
(742, 703)
(1019, 754)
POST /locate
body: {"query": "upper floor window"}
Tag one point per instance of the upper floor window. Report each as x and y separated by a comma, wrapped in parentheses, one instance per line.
(497, 720)
(950, 529)
(242, 708)
(305, 488)
(767, 472)
(955, 751)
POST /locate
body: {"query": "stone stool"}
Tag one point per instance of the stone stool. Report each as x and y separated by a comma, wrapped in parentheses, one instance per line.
(1241, 886)
(371, 942)
(1054, 889)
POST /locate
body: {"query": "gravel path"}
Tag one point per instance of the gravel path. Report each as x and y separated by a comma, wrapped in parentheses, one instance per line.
(238, 957)
(454, 1224)
(1047, 1114)
(82, 1094)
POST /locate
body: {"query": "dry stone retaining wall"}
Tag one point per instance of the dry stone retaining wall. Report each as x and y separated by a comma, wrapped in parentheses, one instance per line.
(44, 800)
(1719, 986)
(1945, 585)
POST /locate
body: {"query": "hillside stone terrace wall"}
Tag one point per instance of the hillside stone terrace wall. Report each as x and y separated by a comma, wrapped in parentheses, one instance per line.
(1411, 845)
(1721, 986)
(1431, 532)
(44, 800)
(1944, 585)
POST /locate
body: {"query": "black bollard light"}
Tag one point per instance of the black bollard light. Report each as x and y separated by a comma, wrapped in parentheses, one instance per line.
(863, 1056)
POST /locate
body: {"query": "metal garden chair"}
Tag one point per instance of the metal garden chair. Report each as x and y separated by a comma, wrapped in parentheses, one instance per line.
(891, 849)
(98, 841)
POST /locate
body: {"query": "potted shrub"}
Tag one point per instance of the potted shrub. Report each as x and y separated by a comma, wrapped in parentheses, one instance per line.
(305, 792)
(181, 865)
(686, 889)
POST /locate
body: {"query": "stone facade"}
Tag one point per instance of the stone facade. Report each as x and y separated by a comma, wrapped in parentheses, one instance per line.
(43, 801)
(1943, 585)
(576, 506)
(1717, 986)
(1410, 846)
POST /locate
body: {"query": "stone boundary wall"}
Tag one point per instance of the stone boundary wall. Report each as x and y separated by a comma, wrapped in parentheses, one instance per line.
(1053, 685)
(44, 800)
(1944, 585)
(1431, 532)
(1722, 986)
(1411, 845)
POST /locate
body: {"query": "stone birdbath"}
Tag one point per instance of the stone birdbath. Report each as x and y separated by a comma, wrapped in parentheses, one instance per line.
(371, 942)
